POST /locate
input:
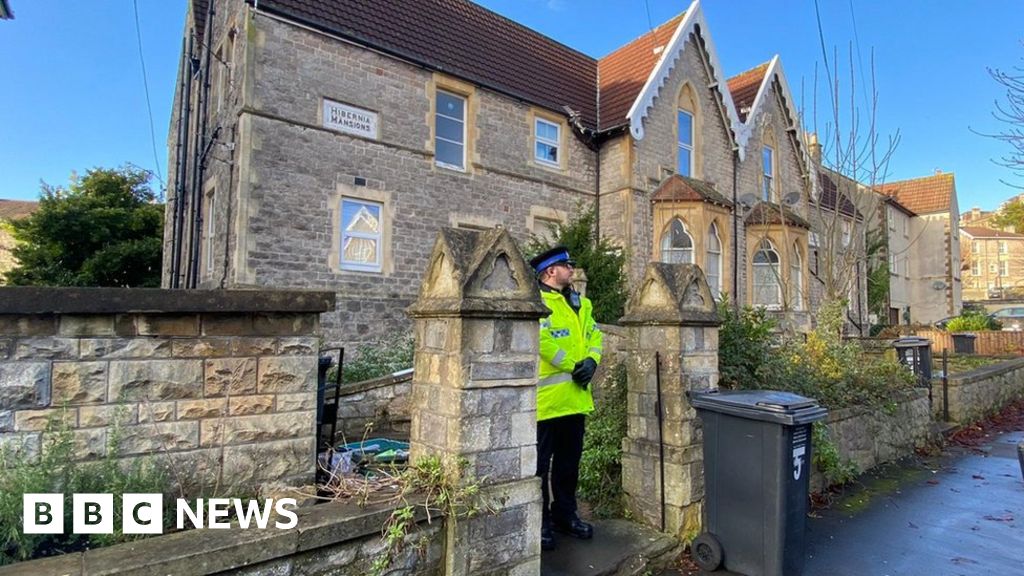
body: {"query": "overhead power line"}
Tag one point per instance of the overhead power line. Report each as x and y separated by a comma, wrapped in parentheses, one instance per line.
(149, 106)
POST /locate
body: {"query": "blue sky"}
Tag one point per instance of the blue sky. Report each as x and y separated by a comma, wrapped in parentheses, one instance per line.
(73, 95)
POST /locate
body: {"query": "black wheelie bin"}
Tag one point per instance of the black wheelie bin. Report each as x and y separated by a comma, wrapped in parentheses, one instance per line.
(757, 466)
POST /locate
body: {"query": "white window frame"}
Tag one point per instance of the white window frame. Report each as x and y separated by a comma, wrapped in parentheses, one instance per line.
(1003, 249)
(767, 247)
(847, 230)
(211, 227)
(796, 273)
(680, 145)
(378, 266)
(711, 254)
(1005, 271)
(437, 136)
(666, 243)
(975, 247)
(767, 176)
(894, 264)
(976, 268)
(556, 143)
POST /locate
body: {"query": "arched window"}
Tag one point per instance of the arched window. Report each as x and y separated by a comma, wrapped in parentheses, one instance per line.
(796, 277)
(676, 244)
(686, 132)
(767, 288)
(713, 261)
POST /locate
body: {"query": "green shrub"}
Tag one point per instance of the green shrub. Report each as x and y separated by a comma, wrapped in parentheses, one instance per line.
(56, 470)
(601, 465)
(602, 261)
(972, 321)
(392, 354)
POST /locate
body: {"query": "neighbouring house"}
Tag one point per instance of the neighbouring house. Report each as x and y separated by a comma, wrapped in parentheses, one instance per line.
(897, 221)
(933, 245)
(324, 148)
(11, 210)
(993, 261)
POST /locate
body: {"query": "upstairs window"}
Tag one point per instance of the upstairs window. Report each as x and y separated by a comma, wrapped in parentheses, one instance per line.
(450, 131)
(361, 235)
(1005, 265)
(768, 173)
(796, 277)
(684, 162)
(767, 288)
(1002, 247)
(975, 247)
(546, 146)
(713, 261)
(676, 244)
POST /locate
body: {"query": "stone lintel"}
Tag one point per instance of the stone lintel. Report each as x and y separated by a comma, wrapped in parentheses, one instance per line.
(30, 300)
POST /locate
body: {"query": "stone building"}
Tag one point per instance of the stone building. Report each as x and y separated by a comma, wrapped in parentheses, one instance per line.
(993, 263)
(933, 260)
(324, 148)
(11, 210)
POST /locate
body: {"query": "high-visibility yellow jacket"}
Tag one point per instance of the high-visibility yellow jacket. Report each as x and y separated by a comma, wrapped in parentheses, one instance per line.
(565, 338)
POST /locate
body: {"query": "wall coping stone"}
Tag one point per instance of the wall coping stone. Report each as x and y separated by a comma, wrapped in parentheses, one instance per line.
(212, 551)
(986, 372)
(671, 295)
(26, 300)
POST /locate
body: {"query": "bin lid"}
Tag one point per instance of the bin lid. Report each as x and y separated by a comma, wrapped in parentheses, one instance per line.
(767, 405)
(911, 341)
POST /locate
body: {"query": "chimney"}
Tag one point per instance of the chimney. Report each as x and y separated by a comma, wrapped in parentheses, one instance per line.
(814, 147)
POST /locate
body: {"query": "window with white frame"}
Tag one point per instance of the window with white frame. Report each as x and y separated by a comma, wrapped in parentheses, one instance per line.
(796, 277)
(993, 268)
(1002, 247)
(847, 232)
(975, 247)
(768, 173)
(450, 130)
(676, 244)
(894, 264)
(892, 219)
(211, 227)
(713, 261)
(1005, 265)
(684, 160)
(361, 235)
(767, 288)
(546, 145)
(976, 268)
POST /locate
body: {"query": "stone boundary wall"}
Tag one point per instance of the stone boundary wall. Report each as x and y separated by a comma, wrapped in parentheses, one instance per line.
(870, 437)
(332, 538)
(215, 383)
(979, 392)
(377, 407)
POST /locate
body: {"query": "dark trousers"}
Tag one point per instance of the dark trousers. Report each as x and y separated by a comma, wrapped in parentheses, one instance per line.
(559, 447)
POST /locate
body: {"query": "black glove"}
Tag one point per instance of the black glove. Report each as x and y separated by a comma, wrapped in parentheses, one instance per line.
(583, 373)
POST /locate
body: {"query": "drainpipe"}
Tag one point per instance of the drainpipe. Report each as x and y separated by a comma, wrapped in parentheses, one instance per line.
(735, 233)
(195, 227)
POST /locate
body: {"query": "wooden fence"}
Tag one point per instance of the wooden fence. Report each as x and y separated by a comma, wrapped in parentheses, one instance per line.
(987, 343)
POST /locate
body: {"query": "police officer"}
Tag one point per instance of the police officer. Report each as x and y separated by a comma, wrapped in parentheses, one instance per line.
(570, 350)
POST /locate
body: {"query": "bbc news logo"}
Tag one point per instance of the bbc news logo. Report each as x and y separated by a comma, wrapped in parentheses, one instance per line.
(144, 513)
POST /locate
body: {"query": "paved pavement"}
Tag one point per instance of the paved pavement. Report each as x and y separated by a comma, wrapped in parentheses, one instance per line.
(961, 514)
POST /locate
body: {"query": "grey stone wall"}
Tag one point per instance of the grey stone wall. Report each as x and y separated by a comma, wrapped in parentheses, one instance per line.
(220, 384)
(982, 391)
(871, 437)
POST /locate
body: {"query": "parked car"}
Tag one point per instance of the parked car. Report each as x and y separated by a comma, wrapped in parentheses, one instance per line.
(995, 293)
(1010, 318)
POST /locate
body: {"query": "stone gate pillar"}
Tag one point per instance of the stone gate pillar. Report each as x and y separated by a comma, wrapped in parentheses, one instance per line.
(673, 314)
(474, 392)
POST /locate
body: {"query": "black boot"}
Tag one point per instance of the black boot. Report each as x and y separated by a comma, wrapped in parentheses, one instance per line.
(575, 527)
(547, 538)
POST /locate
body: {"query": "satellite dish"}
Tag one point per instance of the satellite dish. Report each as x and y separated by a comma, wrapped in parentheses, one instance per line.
(938, 285)
(748, 200)
(791, 198)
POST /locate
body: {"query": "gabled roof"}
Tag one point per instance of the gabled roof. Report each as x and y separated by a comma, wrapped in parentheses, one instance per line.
(829, 196)
(14, 209)
(677, 188)
(744, 88)
(895, 204)
(926, 195)
(980, 232)
(623, 72)
(693, 22)
(460, 38)
(767, 213)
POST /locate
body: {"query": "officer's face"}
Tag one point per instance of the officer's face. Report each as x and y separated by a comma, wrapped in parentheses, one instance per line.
(561, 274)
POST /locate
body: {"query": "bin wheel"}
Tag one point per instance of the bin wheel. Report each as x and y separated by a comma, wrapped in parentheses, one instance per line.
(707, 552)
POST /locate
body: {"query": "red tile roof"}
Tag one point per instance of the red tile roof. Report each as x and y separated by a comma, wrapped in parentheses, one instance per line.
(979, 232)
(14, 209)
(744, 86)
(767, 213)
(463, 39)
(680, 188)
(624, 72)
(925, 195)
